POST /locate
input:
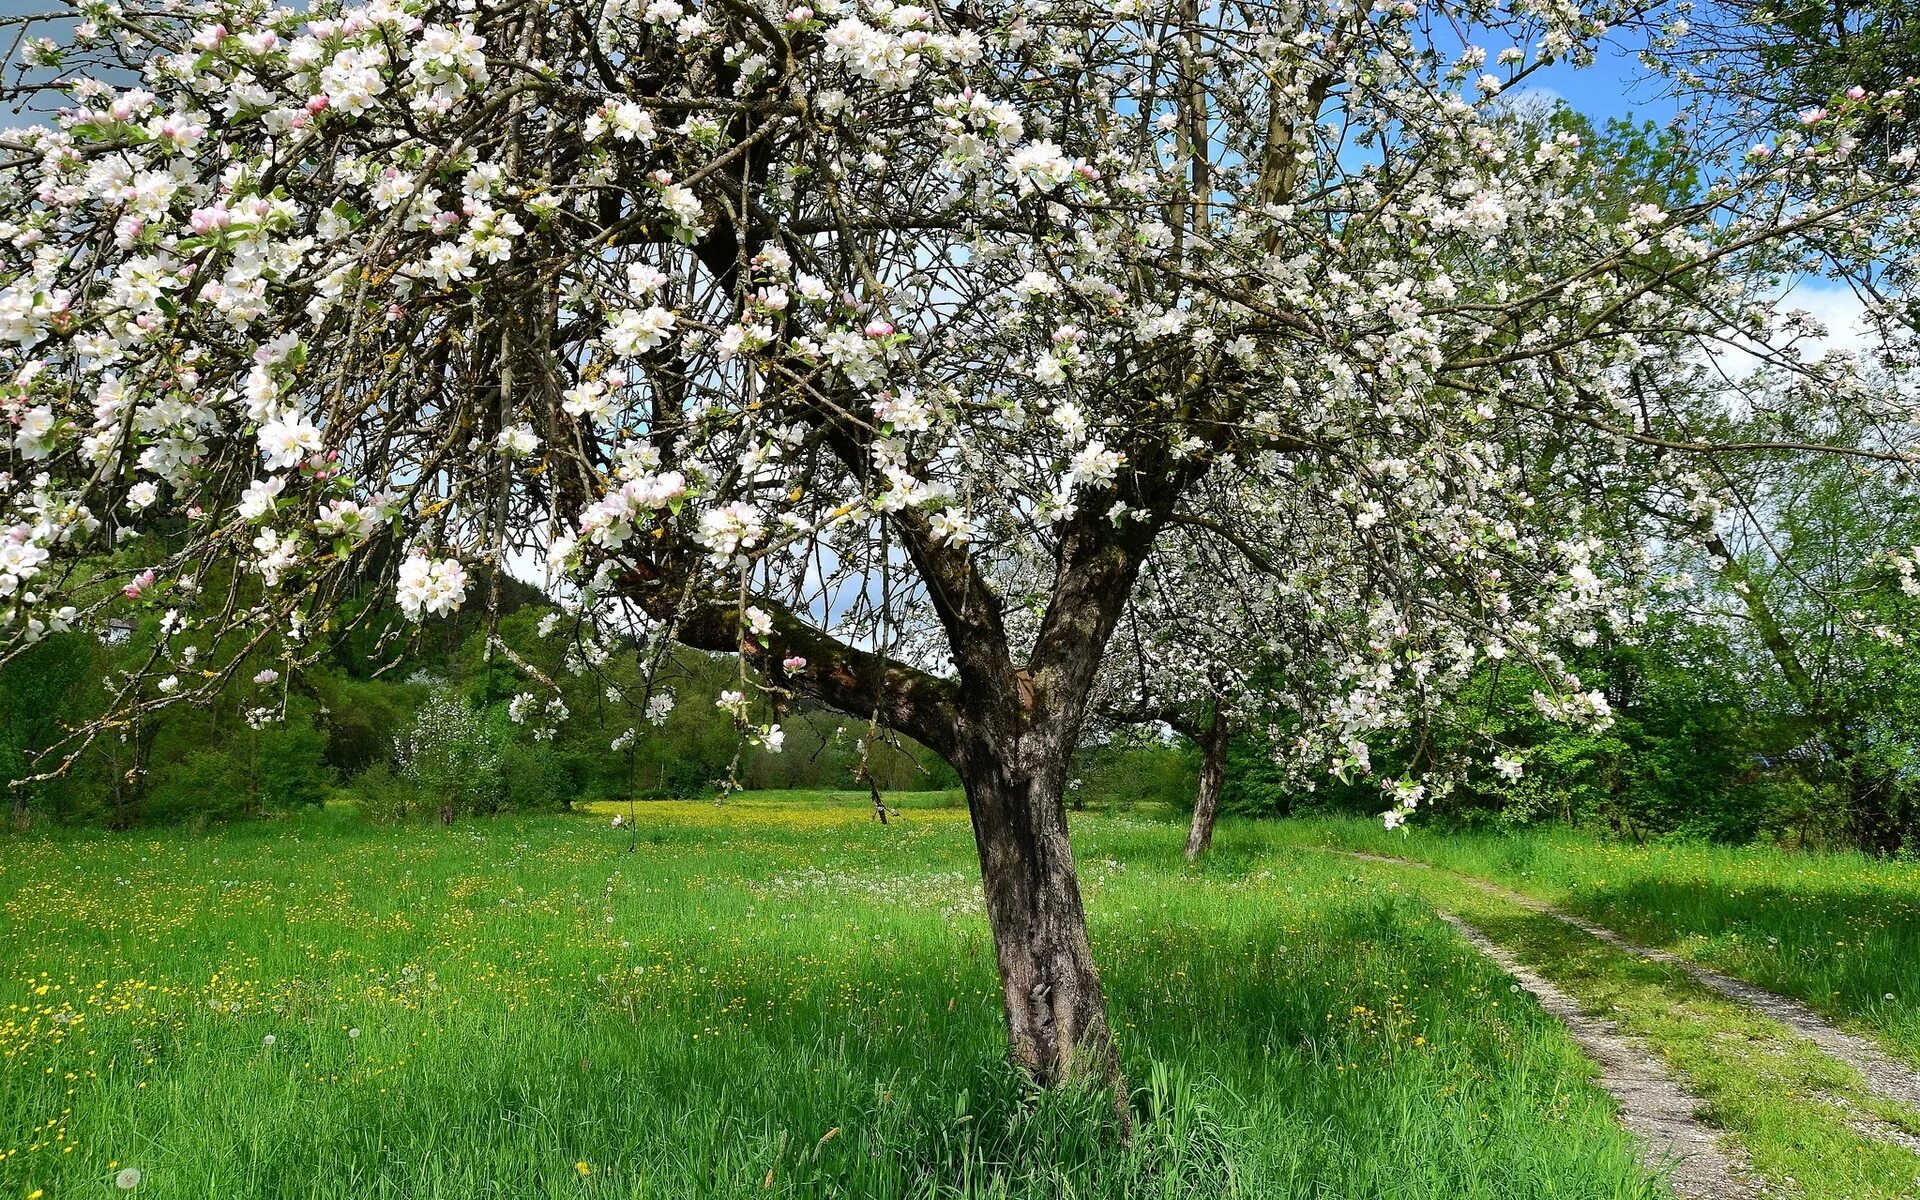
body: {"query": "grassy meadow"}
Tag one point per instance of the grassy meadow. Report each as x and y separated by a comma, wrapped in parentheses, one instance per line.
(1801, 1121)
(1839, 931)
(778, 997)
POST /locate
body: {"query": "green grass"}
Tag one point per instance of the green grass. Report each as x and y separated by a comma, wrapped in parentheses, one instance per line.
(771, 998)
(857, 801)
(1797, 1114)
(1839, 931)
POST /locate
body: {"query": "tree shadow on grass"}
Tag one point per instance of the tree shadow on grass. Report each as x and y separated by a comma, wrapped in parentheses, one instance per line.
(1849, 951)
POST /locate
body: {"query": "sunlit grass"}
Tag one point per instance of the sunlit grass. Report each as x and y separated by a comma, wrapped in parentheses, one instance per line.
(1803, 1121)
(773, 997)
(1840, 931)
(795, 811)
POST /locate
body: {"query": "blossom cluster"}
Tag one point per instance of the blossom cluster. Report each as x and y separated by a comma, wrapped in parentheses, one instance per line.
(858, 312)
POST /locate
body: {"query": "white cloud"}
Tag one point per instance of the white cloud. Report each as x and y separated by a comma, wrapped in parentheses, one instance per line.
(1836, 307)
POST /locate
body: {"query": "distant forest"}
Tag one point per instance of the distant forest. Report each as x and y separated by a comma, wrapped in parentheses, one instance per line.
(446, 733)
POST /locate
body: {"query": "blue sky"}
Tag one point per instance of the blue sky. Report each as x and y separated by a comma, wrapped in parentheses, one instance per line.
(1617, 85)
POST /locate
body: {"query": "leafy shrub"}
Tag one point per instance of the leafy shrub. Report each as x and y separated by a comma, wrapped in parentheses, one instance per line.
(534, 776)
(361, 718)
(290, 769)
(1136, 770)
(205, 785)
(1255, 784)
(383, 795)
(202, 772)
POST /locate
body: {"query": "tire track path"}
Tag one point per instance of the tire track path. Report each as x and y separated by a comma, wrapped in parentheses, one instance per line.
(1886, 1077)
(1654, 1107)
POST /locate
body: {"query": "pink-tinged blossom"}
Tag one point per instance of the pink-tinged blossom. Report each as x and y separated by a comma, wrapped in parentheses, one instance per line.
(953, 527)
(731, 528)
(33, 437)
(517, 441)
(1039, 166)
(285, 440)
(430, 586)
(636, 331)
(258, 499)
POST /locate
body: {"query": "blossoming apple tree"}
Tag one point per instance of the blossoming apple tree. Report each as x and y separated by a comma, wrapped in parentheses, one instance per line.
(1267, 608)
(1199, 625)
(877, 343)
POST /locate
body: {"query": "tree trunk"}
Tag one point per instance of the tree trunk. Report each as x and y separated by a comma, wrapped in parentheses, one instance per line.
(1874, 823)
(1056, 1012)
(1213, 774)
(22, 819)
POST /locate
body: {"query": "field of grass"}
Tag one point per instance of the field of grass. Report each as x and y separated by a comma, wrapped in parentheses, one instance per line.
(1839, 931)
(779, 998)
(1802, 1121)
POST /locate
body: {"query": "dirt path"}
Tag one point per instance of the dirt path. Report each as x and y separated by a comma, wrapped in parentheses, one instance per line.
(1886, 1077)
(1653, 1105)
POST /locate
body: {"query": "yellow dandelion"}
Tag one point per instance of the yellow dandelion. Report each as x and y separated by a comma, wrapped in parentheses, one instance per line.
(584, 1168)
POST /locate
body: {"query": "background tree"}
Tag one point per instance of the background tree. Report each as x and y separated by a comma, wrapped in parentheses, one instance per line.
(1804, 563)
(1767, 61)
(1194, 629)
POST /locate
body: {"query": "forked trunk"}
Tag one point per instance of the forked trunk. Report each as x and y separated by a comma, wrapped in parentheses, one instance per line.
(1056, 1012)
(1213, 776)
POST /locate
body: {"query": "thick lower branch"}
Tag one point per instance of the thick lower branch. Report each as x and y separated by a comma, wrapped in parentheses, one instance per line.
(854, 681)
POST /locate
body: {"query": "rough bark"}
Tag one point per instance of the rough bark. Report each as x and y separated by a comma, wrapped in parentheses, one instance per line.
(1055, 1008)
(1213, 775)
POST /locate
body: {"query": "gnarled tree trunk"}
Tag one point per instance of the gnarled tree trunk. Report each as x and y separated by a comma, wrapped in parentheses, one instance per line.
(1213, 741)
(1055, 1009)
(1008, 728)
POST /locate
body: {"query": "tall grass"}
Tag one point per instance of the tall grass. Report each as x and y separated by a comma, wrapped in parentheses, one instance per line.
(1840, 931)
(766, 999)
